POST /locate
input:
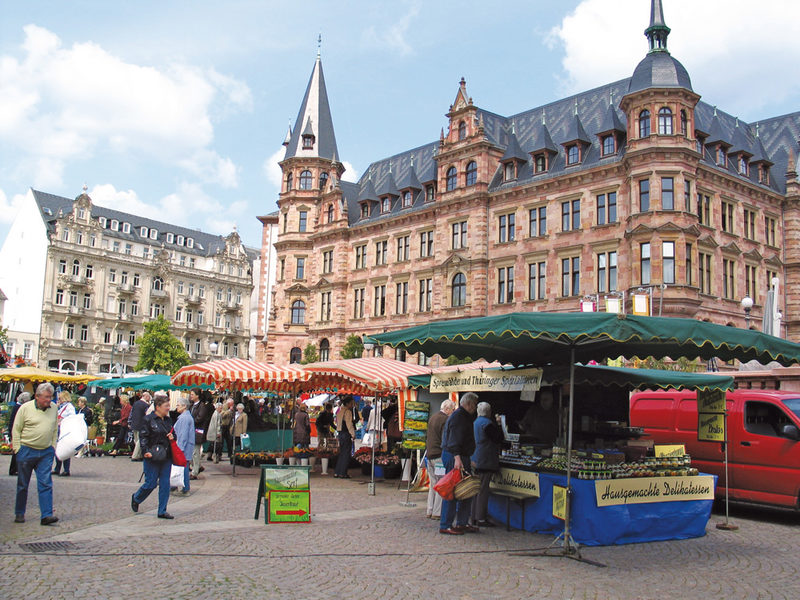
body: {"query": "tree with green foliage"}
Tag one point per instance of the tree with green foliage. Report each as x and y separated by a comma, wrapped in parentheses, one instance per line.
(310, 354)
(159, 350)
(454, 360)
(353, 347)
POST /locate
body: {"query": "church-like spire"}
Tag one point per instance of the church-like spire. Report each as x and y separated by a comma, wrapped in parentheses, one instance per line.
(658, 31)
(315, 113)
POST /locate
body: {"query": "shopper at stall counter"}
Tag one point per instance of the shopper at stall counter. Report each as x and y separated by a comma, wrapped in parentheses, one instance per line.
(155, 435)
(201, 415)
(226, 427)
(239, 425)
(458, 445)
(433, 456)
(65, 409)
(301, 432)
(541, 419)
(34, 438)
(485, 460)
(346, 432)
(124, 416)
(138, 411)
(214, 434)
(391, 420)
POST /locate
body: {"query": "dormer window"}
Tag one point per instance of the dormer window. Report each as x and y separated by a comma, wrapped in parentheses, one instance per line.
(114, 225)
(386, 204)
(364, 210)
(143, 231)
(308, 142)
(539, 163)
(462, 130)
(664, 121)
(190, 242)
(103, 222)
(323, 181)
(180, 240)
(700, 144)
(744, 168)
(508, 171)
(407, 199)
(81, 213)
(721, 156)
(763, 174)
(430, 193)
(126, 228)
(170, 238)
(452, 179)
(608, 144)
(154, 234)
(644, 124)
(573, 154)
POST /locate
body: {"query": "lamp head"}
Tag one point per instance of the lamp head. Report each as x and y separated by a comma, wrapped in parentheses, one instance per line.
(747, 303)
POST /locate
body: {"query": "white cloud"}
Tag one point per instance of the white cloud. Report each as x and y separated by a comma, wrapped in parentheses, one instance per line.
(727, 47)
(395, 37)
(350, 172)
(9, 209)
(63, 104)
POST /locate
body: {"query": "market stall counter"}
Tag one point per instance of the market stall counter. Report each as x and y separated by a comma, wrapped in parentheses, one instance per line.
(604, 512)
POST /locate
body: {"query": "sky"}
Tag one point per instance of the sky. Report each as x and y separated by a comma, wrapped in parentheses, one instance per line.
(176, 110)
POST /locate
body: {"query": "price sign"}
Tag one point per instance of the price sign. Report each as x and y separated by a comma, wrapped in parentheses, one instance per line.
(289, 506)
(560, 502)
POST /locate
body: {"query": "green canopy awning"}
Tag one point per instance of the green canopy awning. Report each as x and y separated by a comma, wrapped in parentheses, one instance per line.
(145, 382)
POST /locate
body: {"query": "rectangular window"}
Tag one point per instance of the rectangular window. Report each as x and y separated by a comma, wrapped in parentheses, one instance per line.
(106, 337)
(361, 256)
(644, 258)
(401, 298)
(426, 244)
(380, 301)
(403, 248)
(62, 267)
(300, 271)
(687, 195)
(506, 228)
(705, 273)
(71, 331)
(182, 260)
(727, 217)
(571, 215)
(189, 315)
(115, 246)
(89, 271)
(128, 249)
(123, 280)
(689, 280)
(668, 262)
(505, 285)
(60, 297)
(73, 299)
(750, 282)
(178, 313)
(570, 276)
(750, 224)
(607, 208)
(667, 193)
(536, 280)
(87, 301)
(201, 291)
(537, 221)
(381, 252)
(358, 303)
(135, 308)
(644, 195)
(425, 294)
(303, 222)
(459, 236)
(606, 272)
(325, 306)
(327, 261)
(728, 274)
(769, 224)
(200, 317)
(84, 333)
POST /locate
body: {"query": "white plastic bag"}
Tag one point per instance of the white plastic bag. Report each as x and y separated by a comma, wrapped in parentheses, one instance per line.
(72, 435)
(176, 477)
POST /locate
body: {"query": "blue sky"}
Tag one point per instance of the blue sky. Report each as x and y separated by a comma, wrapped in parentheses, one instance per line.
(177, 110)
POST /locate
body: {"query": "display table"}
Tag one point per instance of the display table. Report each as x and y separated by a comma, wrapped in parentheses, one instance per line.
(594, 525)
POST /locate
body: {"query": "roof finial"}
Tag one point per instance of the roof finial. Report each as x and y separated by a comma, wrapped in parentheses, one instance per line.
(658, 31)
(319, 44)
(757, 129)
(576, 107)
(715, 110)
(611, 97)
(412, 161)
(737, 121)
(543, 118)
(85, 188)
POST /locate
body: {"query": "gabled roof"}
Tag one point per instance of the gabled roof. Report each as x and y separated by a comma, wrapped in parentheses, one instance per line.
(542, 140)
(740, 143)
(409, 181)
(513, 151)
(368, 191)
(388, 186)
(575, 132)
(717, 135)
(611, 121)
(314, 116)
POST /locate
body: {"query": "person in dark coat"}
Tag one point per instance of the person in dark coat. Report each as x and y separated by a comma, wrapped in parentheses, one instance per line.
(391, 420)
(156, 432)
(458, 445)
(135, 420)
(324, 424)
(301, 434)
(485, 460)
(201, 413)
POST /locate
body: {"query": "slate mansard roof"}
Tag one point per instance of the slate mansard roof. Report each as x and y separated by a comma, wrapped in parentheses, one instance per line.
(52, 207)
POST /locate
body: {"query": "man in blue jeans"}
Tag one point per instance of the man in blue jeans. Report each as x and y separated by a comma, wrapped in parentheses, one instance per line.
(34, 439)
(458, 444)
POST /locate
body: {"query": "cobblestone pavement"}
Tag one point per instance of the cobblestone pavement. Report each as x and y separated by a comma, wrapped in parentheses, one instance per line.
(358, 546)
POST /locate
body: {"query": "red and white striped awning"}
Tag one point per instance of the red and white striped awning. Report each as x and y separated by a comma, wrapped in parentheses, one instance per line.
(237, 373)
(367, 375)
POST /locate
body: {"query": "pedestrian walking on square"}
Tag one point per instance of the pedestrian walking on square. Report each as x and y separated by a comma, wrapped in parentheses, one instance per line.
(433, 456)
(155, 436)
(201, 415)
(135, 421)
(88, 418)
(124, 416)
(485, 460)
(346, 432)
(65, 409)
(21, 399)
(301, 433)
(34, 438)
(214, 434)
(226, 427)
(185, 435)
(458, 445)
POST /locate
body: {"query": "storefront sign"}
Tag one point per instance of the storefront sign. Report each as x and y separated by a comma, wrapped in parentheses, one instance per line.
(475, 380)
(560, 502)
(415, 425)
(516, 480)
(283, 478)
(640, 490)
(710, 427)
(289, 506)
(711, 401)
(668, 451)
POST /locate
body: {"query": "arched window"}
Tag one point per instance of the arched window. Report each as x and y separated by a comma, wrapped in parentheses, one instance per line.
(289, 182)
(573, 155)
(330, 213)
(451, 179)
(407, 199)
(644, 124)
(158, 283)
(295, 355)
(305, 180)
(298, 312)
(324, 350)
(386, 204)
(472, 173)
(462, 130)
(540, 163)
(76, 267)
(664, 121)
(459, 293)
(323, 181)
(684, 123)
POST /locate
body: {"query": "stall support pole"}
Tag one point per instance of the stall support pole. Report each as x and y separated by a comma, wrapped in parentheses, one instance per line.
(727, 526)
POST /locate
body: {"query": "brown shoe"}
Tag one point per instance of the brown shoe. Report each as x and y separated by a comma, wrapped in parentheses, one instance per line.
(466, 528)
(451, 531)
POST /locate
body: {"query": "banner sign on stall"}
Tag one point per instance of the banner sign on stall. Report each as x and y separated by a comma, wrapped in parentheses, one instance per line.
(711, 401)
(415, 425)
(289, 506)
(560, 502)
(710, 427)
(667, 451)
(641, 490)
(494, 380)
(516, 480)
(283, 478)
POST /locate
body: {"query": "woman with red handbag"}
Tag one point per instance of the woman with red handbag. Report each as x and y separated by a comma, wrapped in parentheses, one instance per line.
(185, 437)
(155, 436)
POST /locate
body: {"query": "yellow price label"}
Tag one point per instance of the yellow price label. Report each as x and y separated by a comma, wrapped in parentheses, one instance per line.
(560, 502)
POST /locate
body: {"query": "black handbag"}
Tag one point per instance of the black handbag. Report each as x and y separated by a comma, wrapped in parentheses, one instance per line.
(158, 452)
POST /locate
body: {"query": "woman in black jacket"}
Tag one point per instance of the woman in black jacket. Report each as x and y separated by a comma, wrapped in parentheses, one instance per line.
(155, 435)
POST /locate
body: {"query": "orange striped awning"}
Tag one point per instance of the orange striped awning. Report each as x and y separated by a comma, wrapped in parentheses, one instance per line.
(368, 375)
(237, 373)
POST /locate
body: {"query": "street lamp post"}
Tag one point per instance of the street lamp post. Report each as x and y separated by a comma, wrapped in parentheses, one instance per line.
(747, 306)
(123, 347)
(212, 347)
